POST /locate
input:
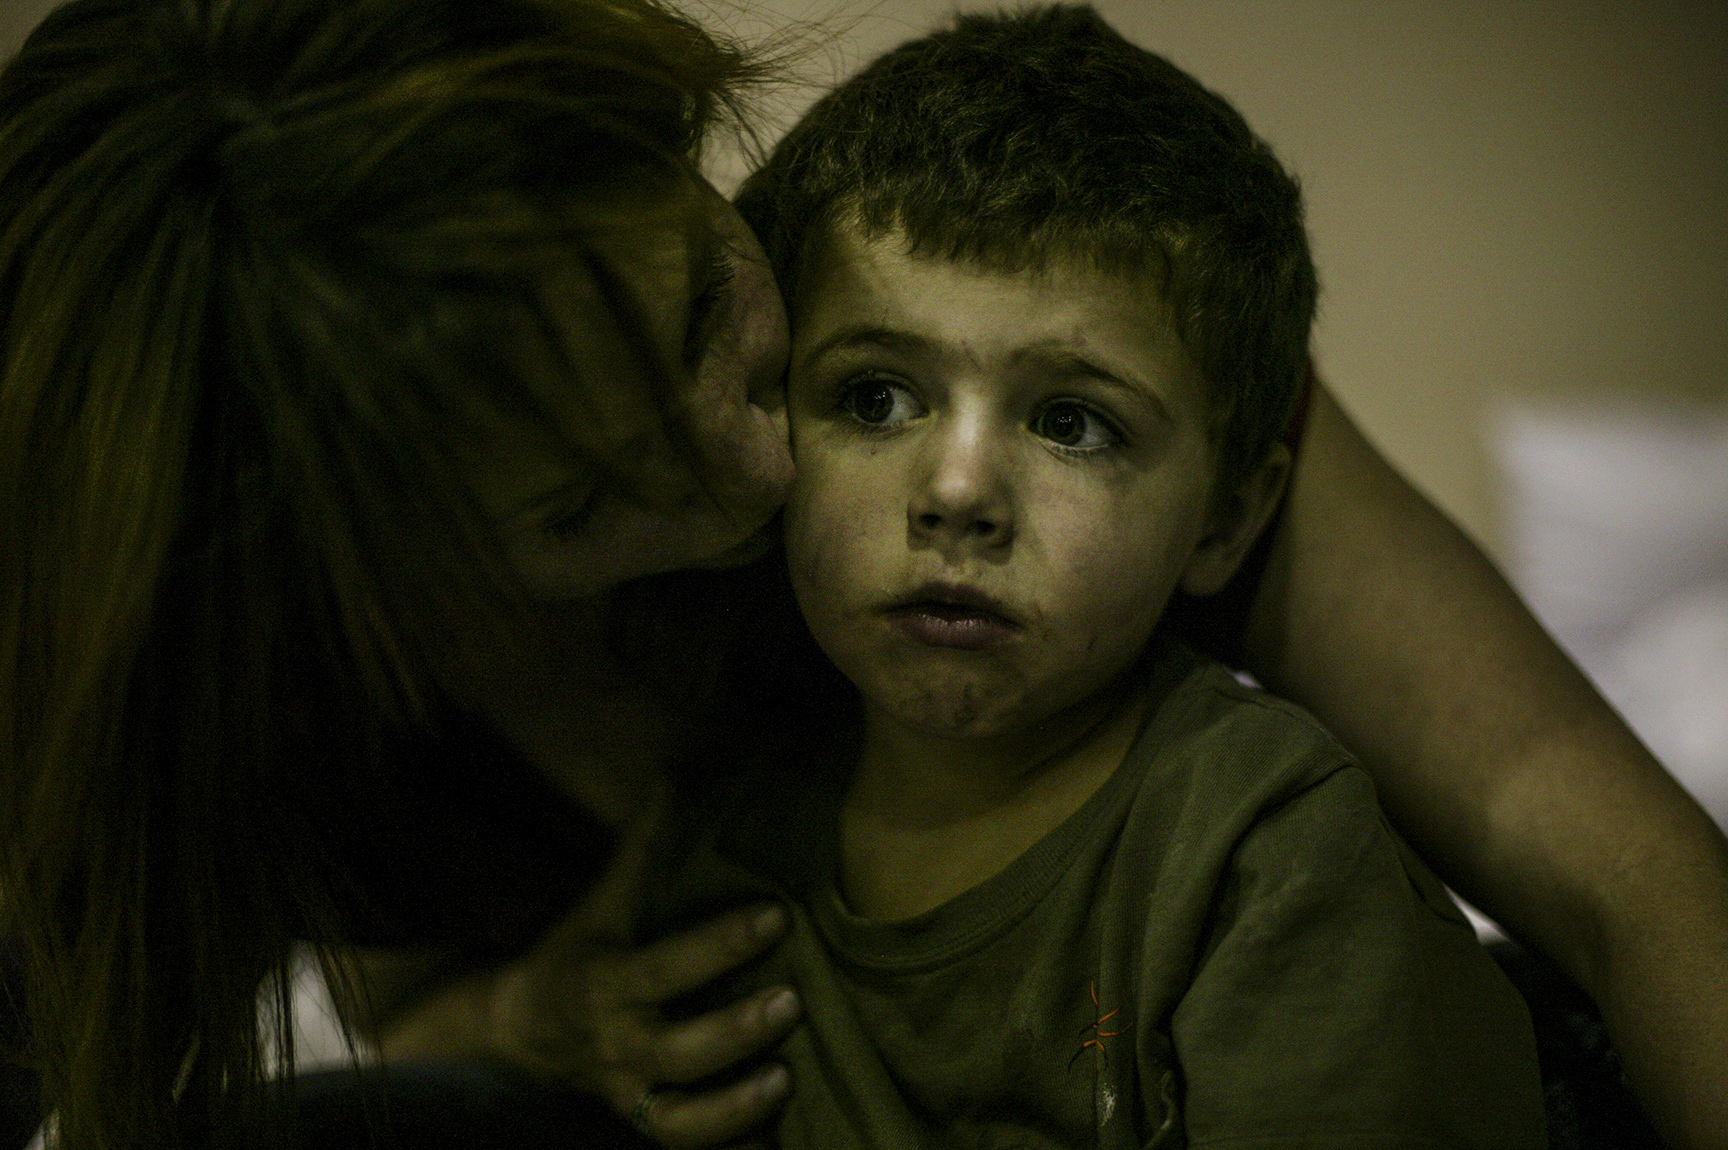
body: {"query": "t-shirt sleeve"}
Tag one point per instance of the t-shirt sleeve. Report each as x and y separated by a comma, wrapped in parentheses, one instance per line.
(1341, 999)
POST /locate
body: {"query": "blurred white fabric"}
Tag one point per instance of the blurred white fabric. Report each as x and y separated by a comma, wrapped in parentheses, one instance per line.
(1617, 529)
(320, 1042)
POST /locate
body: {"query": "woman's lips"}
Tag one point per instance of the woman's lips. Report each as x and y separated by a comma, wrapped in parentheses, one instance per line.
(951, 625)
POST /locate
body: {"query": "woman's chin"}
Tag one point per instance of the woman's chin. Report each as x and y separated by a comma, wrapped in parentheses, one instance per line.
(747, 551)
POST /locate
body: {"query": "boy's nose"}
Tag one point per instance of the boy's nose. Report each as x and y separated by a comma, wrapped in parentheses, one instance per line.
(963, 497)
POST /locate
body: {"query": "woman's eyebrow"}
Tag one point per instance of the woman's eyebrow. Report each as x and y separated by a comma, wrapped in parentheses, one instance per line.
(556, 498)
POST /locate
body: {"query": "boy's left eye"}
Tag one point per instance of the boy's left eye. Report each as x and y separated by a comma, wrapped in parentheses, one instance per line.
(879, 402)
(1068, 423)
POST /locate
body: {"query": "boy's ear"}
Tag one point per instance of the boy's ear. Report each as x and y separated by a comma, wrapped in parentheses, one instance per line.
(1236, 521)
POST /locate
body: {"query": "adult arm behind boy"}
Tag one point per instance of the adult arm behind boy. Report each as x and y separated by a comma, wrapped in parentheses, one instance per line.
(1501, 763)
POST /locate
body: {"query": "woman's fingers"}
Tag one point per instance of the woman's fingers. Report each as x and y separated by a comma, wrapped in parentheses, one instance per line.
(672, 1055)
(581, 1010)
(707, 1045)
(683, 962)
(687, 1121)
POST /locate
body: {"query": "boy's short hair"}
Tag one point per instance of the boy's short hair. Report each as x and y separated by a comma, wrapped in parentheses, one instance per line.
(1013, 139)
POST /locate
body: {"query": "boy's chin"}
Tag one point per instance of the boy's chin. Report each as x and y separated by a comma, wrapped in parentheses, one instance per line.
(954, 711)
(990, 705)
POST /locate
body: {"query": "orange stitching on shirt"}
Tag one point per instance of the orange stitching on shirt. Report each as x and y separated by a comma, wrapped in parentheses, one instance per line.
(1099, 1034)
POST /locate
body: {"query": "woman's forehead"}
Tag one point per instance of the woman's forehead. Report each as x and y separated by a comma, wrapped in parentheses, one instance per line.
(660, 257)
(598, 399)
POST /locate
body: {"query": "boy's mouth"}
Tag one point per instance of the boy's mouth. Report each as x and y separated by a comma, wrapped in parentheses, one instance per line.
(959, 618)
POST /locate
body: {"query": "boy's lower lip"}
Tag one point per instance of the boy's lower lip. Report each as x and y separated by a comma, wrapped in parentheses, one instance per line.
(947, 625)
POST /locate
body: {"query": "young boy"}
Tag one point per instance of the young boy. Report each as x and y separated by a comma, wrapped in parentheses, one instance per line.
(1064, 882)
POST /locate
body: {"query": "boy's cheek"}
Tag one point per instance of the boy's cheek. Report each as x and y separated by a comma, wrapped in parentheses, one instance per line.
(833, 486)
(823, 535)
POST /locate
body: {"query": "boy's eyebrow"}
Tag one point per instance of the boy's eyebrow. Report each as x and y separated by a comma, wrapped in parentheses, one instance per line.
(1060, 358)
(894, 339)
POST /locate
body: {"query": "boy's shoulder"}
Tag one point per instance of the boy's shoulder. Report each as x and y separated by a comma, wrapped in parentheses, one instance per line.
(1307, 923)
(1216, 728)
(1226, 775)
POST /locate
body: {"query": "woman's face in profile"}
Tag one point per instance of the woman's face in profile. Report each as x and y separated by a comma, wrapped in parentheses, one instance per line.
(710, 302)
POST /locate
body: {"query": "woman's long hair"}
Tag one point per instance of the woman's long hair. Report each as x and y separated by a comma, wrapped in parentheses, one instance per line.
(258, 260)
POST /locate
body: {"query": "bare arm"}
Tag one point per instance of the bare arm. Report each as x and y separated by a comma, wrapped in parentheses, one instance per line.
(1502, 764)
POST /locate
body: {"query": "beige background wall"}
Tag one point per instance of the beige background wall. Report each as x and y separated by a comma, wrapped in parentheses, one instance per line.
(16, 18)
(1507, 200)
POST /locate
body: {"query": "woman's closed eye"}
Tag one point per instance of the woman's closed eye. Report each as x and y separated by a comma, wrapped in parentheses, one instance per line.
(571, 521)
(1075, 426)
(877, 401)
(708, 304)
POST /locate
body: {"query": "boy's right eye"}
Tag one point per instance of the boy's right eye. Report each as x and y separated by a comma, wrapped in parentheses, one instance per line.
(879, 402)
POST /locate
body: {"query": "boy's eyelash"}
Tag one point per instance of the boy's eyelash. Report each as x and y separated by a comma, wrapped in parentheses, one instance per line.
(1117, 435)
(716, 283)
(847, 390)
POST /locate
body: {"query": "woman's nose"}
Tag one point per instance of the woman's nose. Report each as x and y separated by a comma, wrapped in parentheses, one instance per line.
(963, 496)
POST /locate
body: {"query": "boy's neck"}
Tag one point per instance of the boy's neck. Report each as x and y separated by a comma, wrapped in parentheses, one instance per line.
(927, 818)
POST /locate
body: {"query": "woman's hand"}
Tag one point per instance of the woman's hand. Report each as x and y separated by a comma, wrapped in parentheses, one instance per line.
(587, 1014)
(584, 1010)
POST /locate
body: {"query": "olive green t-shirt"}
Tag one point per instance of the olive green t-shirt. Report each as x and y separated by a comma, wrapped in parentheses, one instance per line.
(1226, 945)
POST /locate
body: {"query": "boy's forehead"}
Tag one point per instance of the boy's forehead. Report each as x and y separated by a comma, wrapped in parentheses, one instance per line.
(879, 289)
(845, 244)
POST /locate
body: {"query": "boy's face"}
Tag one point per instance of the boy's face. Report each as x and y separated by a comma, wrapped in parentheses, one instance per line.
(1000, 480)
